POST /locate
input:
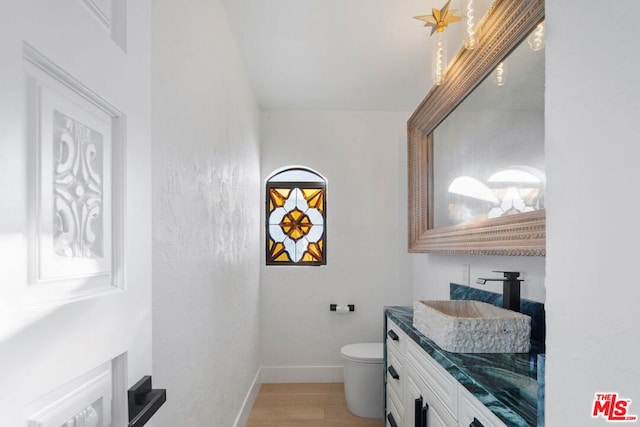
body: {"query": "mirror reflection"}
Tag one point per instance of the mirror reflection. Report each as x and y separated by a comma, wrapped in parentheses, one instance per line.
(489, 152)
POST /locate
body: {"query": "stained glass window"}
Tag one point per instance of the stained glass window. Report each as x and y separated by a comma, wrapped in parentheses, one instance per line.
(296, 217)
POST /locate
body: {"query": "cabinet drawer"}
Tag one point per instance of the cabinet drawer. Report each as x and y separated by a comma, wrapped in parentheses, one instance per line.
(444, 386)
(396, 338)
(395, 367)
(394, 406)
(470, 407)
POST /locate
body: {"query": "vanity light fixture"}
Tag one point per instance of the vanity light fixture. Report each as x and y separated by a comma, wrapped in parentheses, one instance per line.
(499, 74)
(472, 30)
(536, 38)
(438, 21)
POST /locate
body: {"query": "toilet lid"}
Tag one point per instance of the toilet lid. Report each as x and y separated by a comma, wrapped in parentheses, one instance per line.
(363, 352)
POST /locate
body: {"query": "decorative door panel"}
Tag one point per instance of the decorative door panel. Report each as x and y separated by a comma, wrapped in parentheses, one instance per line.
(112, 15)
(76, 186)
(102, 9)
(75, 211)
(84, 402)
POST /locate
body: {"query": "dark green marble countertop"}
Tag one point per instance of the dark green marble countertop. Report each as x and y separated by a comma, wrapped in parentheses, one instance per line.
(505, 383)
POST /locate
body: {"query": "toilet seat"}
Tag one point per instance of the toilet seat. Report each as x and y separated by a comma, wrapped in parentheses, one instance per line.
(363, 352)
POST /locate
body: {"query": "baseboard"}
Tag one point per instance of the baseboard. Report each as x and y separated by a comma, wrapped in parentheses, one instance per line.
(249, 400)
(302, 374)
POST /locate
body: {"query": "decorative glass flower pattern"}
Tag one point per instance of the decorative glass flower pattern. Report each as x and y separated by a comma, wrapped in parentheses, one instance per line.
(296, 223)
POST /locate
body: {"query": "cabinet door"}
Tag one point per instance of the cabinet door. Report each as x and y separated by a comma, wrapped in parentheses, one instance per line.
(473, 412)
(416, 388)
(441, 383)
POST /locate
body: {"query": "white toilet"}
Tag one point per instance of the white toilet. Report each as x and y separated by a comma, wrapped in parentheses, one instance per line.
(364, 379)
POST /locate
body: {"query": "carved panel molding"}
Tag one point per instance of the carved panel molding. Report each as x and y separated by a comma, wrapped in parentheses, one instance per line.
(76, 186)
(78, 178)
(84, 402)
(112, 14)
(97, 398)
(102, 9)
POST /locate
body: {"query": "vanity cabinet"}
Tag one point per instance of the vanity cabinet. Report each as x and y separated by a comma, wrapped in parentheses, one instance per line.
(421, 393)
(395, 376)
(428, 409)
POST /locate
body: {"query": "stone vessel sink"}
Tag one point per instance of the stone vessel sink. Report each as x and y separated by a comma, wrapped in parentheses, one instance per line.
(466, 326)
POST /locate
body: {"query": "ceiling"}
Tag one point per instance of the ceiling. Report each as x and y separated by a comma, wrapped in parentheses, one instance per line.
(337, 54)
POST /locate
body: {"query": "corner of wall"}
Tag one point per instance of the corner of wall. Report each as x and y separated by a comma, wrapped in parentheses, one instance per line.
(249, 400)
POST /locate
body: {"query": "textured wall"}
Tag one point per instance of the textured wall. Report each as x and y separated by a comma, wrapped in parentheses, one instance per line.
(363, 157)
(592, 150)
(206, 207)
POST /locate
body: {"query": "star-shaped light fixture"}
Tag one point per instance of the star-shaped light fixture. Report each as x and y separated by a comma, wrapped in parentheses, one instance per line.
(440, 18)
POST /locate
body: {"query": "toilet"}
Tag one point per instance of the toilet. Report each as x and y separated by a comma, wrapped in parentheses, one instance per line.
(364, 379)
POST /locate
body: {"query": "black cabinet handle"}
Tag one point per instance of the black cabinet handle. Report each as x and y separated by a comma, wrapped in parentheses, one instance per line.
(421, 413)
(393, 335)
(476, 423)
(392, 420)
(425, 415)
(418, 412)
(393, 372)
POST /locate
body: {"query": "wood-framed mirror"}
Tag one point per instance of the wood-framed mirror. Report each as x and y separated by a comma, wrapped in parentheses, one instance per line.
(437, 225)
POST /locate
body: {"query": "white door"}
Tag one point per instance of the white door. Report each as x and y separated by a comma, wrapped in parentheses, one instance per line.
(75, 198)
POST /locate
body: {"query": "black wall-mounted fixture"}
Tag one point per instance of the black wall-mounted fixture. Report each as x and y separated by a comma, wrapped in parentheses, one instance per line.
(333, 307)
(510, 288)
(144, 401)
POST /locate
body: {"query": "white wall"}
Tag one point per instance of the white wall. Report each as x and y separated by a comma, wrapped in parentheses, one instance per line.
(363, 157)
(592, 151)
(206, 217)
(431, 274)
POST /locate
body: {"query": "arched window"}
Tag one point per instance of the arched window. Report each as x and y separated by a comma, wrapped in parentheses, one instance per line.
(296, 217)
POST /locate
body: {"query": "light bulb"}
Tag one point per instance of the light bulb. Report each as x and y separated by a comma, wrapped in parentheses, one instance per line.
(439, 58)
(499, 74)
(472, 35)
(536, 38)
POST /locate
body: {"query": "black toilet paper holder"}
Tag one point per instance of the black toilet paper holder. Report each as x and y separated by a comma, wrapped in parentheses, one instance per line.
(333, 307)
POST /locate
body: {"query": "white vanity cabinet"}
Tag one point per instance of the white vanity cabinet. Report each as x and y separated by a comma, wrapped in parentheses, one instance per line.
(427, 408)
(395, 375)
(421, 393)
(432, 391)
(473, 413)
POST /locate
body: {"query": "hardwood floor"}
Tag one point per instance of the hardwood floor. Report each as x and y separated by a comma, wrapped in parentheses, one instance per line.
(302, 405)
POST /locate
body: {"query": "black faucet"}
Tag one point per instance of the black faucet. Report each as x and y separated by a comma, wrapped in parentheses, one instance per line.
(510, 288)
